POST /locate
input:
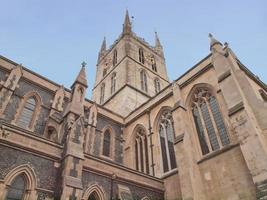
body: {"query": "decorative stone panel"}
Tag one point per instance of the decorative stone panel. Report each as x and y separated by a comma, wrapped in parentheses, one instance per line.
(11, 108)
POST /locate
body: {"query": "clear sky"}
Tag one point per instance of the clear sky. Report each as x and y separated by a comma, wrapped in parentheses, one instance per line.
(53, 37)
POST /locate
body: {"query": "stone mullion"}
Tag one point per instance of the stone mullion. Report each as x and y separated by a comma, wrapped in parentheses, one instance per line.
(139, 153)
(144, 153)
(167, 147)
(207, 139)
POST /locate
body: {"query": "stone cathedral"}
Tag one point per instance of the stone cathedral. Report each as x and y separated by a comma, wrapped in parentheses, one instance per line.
(202, 136)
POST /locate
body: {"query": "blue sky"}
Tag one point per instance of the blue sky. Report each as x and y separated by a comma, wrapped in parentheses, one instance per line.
(53, 37)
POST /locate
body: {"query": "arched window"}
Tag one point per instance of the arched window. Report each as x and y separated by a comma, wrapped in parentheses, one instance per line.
(26, 116)
(114, 57)
(157, 85)
(211, 130)
(17, 189)
(52, 134)
(153, 64)
(113, 83)
(143, 78)
(141, 56)
(102, 93)
(106, 143)
(166, 141)
(141, 151)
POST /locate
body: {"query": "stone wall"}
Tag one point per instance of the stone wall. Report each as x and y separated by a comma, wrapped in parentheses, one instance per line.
(46, 172)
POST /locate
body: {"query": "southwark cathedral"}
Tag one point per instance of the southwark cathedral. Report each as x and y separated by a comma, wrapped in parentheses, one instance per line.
(141, 136)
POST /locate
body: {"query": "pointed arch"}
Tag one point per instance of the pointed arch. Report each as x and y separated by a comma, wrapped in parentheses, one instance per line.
(95, 190)
(163, 125)
(28, 175)
(28, 110)
(141, 55)
(108, 142)
(140, 147)
(145, 198)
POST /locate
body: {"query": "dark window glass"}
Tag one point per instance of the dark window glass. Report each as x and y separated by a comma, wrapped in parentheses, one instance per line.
(115, 57)
(146, 154)
(200, 131)
(143, 78)
(106, 144)
(163, 149)
(141, 56)
(93, 196)
(25, 118)
(141, 155)
(153, 64)
(219, 121)
(136, 155)
(17, 189)
(210, 129)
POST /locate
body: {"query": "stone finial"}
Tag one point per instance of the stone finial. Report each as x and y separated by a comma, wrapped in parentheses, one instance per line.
(157, 41)
(81, 78)
(127, 26)
(213, 41)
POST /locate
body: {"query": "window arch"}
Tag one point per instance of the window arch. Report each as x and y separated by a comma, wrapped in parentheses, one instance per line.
(113, 83)
(28, 110)
(115, 57)
(153, 64)
(52, 134)
(157, 85)
(94, 192)
(209, 123)
(141, 151)
(107, 143)
(20, 183)
(143, 78)
(141, 56)
(166, 133)
(102, 93)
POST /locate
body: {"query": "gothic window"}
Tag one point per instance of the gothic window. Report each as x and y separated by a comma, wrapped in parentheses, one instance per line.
(210, 127)
(113, 83)
(17, 189)
(52, 134)
(141, 151)
(102, 93)
(114, 57)
(106, 143)
(141, 56)
(104, 72)
(153, 64)
(143, 78)
(26, 116)
(157, 85)
(166, 134)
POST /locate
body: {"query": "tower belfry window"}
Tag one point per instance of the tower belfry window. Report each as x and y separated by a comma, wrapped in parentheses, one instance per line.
(153, 64)
(141, 56)
(113, 83)
(115, 57)
(157, 85)
(102, 93)
(143, 78)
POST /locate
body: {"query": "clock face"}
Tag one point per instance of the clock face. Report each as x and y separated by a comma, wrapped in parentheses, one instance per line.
(150, 59)
(108, 63)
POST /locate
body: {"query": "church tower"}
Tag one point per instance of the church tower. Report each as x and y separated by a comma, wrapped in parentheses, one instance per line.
(130, 72)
